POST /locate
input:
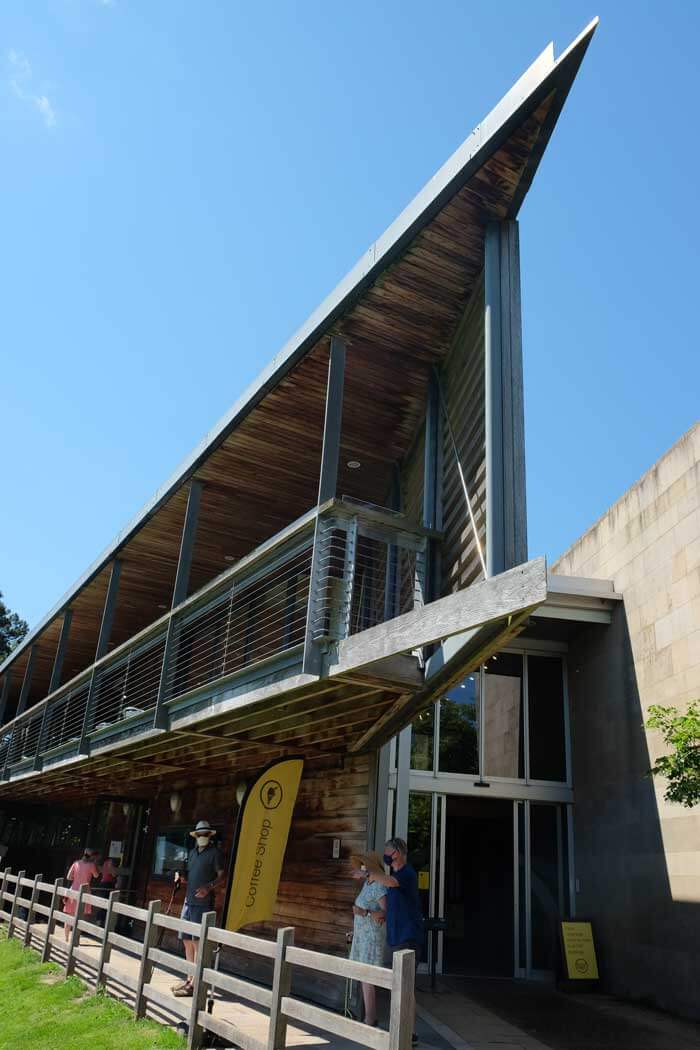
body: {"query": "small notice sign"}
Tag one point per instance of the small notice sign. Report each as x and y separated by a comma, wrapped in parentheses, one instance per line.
(579, 951)
(423, 880)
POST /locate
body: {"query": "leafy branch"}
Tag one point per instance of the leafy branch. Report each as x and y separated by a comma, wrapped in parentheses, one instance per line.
(681, 766)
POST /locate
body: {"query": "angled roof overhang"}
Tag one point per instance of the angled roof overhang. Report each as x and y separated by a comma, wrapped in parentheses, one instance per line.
(398, 309)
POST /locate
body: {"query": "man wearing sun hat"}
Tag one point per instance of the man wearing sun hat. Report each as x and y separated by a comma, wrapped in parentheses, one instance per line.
(205, 875)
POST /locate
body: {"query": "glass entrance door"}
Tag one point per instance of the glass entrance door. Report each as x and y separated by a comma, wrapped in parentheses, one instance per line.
(498, 871)
(479, 902)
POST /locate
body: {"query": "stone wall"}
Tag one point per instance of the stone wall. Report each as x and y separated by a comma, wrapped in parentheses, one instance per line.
(637, 856)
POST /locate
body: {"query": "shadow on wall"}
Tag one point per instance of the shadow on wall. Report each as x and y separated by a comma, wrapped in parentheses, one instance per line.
(648, 943)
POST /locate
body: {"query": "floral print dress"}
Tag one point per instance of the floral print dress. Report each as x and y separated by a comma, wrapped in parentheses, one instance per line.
(369, 937)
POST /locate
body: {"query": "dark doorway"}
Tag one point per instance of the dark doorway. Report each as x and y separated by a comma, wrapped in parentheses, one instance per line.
(479, 904)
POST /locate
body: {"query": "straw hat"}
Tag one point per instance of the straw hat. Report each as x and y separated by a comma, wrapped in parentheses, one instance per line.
(371, 861)
(203, 828)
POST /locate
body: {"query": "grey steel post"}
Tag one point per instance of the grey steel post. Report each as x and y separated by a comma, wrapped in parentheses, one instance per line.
(327, 489)
(60, 651)
(109, 609)
(432, 486)
(160, 714)
(102, 644)
(506, 522)
(6, 683)
(332, 425)
(391, 577)
(26, 682)
(189, 531)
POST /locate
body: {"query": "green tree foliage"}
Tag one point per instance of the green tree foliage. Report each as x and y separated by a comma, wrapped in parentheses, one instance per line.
(12, 630)
(681, 766)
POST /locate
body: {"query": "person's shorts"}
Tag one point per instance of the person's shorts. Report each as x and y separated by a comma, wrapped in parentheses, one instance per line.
(193, 913)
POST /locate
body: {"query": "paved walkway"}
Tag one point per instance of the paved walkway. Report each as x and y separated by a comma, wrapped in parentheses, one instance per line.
(515, 1015)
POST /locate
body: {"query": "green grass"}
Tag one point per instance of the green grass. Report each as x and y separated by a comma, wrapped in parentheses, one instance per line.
(40, 1010)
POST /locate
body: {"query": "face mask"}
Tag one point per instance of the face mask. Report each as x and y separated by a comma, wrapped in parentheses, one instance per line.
(202, 840)
(387, 858)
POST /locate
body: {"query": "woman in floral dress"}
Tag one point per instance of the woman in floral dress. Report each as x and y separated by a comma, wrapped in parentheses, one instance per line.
(369, 934)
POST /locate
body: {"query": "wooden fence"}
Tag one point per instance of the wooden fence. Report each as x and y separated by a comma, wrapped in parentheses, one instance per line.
(43, 903)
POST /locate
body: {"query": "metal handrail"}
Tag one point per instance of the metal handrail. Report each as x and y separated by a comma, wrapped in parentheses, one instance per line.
(256, 610)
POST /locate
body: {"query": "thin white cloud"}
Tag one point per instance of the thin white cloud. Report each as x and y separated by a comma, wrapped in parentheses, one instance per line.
(21, 85)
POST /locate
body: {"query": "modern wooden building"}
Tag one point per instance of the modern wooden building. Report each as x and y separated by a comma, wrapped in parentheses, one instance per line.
(340, 570)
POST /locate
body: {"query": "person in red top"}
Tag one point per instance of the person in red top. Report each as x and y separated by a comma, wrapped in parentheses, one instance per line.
(80, 873)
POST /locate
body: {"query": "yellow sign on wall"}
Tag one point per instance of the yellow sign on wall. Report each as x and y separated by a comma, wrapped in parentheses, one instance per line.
(263, 829)
(423, 880)
(579, 951)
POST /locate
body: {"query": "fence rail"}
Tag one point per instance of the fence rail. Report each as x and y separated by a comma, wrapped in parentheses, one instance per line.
(133, 967)
(333, 573)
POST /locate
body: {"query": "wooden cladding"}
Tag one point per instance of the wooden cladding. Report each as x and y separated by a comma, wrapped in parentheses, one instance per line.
(463, 389)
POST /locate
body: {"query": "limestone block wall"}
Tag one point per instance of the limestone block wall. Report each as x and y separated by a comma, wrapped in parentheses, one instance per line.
(638, 857)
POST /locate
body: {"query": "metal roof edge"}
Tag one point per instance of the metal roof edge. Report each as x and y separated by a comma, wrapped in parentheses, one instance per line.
(534, 84)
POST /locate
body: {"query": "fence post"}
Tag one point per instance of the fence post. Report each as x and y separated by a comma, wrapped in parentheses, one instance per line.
(70, 961)
(403, 1000)
(13, 909)
(32, 902)
(145, 965)
(111, 917)
(46, 950)
(281, 986)
(3, 887)
(195, 1033)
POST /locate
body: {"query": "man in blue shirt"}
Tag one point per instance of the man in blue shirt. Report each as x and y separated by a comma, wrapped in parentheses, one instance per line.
(404, 916)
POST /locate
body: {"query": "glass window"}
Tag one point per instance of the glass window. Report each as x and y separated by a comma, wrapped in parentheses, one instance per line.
(422, 740)
(503, 717)
(545, 699)
(172, 848)
(459, 728)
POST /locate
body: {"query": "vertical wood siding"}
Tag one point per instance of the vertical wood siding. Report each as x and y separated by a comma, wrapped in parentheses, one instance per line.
(463, 388)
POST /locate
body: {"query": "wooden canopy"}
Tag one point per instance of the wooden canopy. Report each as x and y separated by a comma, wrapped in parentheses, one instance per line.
(397, 312)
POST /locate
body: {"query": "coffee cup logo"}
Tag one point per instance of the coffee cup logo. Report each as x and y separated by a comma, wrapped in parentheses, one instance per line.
(271, 794)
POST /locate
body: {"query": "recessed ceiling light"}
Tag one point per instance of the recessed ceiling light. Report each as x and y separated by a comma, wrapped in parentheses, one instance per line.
(354, 464)
(229, 557)
(162, 605)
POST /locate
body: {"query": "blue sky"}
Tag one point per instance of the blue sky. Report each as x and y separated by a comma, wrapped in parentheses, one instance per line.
(182, 183)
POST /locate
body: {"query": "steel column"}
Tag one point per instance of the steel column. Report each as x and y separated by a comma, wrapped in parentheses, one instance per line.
(432, 486)
(327, 489)
(102, 644)
(26, 682)
(332, 425)
(6, 683)
(60, 651)
(189, 531)
(403, 773)
(506, 522)
(109, 609)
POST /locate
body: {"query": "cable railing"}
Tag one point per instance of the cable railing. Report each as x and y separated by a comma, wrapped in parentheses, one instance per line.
(332, 574)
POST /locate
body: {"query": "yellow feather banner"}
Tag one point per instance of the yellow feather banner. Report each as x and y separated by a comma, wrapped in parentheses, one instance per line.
(260, 842)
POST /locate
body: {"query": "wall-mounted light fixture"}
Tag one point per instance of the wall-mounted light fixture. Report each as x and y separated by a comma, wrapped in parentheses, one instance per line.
(241, 788)
(175, 802)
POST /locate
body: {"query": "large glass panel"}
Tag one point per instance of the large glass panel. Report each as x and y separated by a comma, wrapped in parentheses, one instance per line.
(545, 696)
(503, 716)
(459, 728)
(420, 822)
(422, 740)
(546, 883)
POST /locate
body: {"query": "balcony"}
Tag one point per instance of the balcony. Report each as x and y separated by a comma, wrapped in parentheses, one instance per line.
(282, 610)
